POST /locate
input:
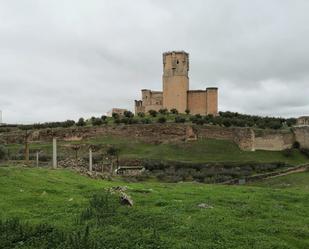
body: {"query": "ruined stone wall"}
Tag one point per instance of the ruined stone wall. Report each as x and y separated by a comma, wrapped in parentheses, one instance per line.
(246, 138)
(197, 102)
(273, 140)
(302, 136)
(243, 137)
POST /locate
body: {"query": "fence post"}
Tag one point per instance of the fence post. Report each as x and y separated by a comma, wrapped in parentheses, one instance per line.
(37, 159)
(54, 153)
(90, 159)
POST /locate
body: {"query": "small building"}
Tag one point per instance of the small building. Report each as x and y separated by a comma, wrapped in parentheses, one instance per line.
(303, 121)
(119, 111)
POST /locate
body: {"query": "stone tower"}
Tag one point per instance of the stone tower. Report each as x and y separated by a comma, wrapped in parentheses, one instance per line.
(175, 80)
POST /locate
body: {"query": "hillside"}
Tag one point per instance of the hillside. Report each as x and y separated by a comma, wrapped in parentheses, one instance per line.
(163, 216)
(200, 151)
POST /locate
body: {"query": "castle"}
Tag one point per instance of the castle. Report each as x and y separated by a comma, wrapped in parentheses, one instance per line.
(176, 93)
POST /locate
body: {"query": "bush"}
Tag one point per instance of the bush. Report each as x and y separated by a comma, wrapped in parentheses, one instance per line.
(161, 120)
(81, 122)
(153, 113)
(141, 114)
(174, 111)
(180, 119)
(296, 145)
(163, 111)
(128, 114)
(97, 121)
(115, 115)
(187, 111)
(145, 121)
(103, 117)
(287, 152)
(3, 152)
(305, 152)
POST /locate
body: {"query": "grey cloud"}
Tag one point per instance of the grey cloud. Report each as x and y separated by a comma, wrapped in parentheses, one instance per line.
(72, 58)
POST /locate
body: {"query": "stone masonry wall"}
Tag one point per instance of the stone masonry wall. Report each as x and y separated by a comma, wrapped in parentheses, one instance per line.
(273, 140)
(246, 138)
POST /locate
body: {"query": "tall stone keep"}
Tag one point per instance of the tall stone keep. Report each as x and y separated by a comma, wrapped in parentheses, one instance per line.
(175, 80)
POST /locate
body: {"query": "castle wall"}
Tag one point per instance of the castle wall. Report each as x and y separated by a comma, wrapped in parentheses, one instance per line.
(197, 102)
(212, 100)
(152, 100)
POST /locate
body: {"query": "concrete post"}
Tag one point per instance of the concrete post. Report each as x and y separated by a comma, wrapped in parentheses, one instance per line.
(54, 153)
(37, 159)
(90, 159)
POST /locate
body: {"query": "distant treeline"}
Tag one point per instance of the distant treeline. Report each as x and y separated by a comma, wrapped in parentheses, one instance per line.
(225, 119)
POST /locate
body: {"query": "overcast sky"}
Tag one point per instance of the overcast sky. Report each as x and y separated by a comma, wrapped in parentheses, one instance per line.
(63, 59)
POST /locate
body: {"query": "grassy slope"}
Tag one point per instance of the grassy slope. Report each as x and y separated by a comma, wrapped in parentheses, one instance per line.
(295, 180)
(209, 150)
(242, 217)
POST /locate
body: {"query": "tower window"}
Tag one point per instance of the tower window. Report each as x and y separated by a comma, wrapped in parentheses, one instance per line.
(177, 62)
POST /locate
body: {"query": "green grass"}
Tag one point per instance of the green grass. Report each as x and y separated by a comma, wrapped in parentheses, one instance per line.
(201, 151)
(296, 180)
(241, 217)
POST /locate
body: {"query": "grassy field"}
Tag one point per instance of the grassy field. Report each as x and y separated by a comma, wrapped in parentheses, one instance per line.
(163, 216)
(201, 151)
(295, 181)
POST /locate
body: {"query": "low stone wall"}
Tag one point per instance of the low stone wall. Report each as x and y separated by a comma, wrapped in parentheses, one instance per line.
(273, 140)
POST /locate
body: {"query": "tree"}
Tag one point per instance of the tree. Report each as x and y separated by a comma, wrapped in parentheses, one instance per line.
(115, 115)
(128, 114)
(81, 122)
(187, 111)
(174, 111)
(103, 117)
(97, 122)
(153, 113)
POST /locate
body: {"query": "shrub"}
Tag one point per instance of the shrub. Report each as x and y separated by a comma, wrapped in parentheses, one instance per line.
(174, 111)
(161, 120)
(296, 145)
(103, 117)
(180, 119)
(163, 111)
(115, 115)
(3, 152)
(81, 122)
(128, 114)
(227, 122)
(141, 114)
(187, 111)
(153, 113)
(97, 121)
(145, 121)
(287, 152)
(305, 152)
